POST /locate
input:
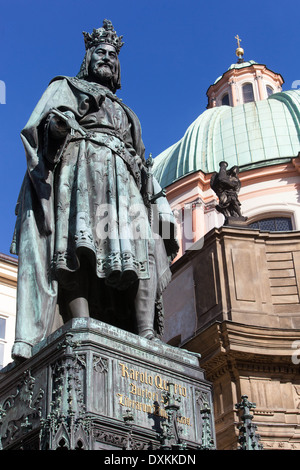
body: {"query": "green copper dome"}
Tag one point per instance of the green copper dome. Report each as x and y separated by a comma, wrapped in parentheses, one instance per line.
(255, 134)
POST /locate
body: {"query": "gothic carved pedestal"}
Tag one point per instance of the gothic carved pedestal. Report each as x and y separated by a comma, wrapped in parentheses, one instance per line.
(93, 386)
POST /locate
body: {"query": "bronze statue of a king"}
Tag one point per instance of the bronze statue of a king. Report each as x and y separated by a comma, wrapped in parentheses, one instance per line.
(84, 230)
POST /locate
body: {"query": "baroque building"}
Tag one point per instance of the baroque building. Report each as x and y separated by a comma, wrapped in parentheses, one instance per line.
(235, 293)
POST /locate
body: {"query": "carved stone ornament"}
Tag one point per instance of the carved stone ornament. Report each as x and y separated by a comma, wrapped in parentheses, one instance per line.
(248, 438)
(171, 431)
(100, 364)
(21, 411)
(110, 438)
(202, 399)
(67, 426)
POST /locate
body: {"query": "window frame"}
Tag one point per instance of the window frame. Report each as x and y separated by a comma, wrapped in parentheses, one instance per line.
(271, 88)
(223, 96)
(270, 216)
(243, 95)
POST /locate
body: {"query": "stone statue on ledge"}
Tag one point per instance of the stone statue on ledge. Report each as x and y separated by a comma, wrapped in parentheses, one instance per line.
(226, 185)
(84, 231)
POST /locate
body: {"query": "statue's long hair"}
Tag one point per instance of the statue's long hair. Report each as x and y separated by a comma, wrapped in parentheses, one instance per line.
(84, 72)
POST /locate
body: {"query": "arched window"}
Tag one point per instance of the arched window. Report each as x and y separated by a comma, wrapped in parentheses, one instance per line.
(225, 100)
(270, 90)
(273, 224)
(248, 95)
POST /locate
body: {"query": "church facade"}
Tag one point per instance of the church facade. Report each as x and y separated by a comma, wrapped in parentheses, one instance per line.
(239, 302)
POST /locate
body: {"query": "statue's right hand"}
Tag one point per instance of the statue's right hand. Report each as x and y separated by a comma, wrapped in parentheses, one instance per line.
(64, 121)
(58, 127)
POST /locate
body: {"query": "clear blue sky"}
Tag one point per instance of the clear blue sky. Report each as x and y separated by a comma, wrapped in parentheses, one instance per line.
(173, 51)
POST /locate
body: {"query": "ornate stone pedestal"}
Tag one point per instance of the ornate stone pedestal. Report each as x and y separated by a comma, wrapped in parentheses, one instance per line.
(92, 386)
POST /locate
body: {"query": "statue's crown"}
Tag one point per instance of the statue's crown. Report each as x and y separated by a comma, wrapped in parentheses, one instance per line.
(104, 35)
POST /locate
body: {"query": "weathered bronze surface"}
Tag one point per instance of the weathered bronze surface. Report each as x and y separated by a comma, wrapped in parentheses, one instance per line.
(90, 214)
(226, 185)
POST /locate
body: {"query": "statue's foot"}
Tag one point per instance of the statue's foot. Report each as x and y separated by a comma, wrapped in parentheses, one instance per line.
(150, 335)
(155, 339)
(21, 351)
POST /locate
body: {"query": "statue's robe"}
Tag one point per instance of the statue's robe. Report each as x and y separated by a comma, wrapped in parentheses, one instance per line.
(82, 198)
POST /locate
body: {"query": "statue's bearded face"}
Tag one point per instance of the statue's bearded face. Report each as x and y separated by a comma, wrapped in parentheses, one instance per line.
(104, 64)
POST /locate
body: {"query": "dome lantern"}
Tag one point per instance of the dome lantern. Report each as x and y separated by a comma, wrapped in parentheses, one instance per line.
(243, 82)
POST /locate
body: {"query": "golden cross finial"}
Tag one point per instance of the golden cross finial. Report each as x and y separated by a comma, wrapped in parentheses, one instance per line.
(238, 40)
(240, 51)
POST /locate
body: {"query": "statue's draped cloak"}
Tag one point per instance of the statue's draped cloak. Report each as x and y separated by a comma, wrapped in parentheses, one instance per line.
(76, 191)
